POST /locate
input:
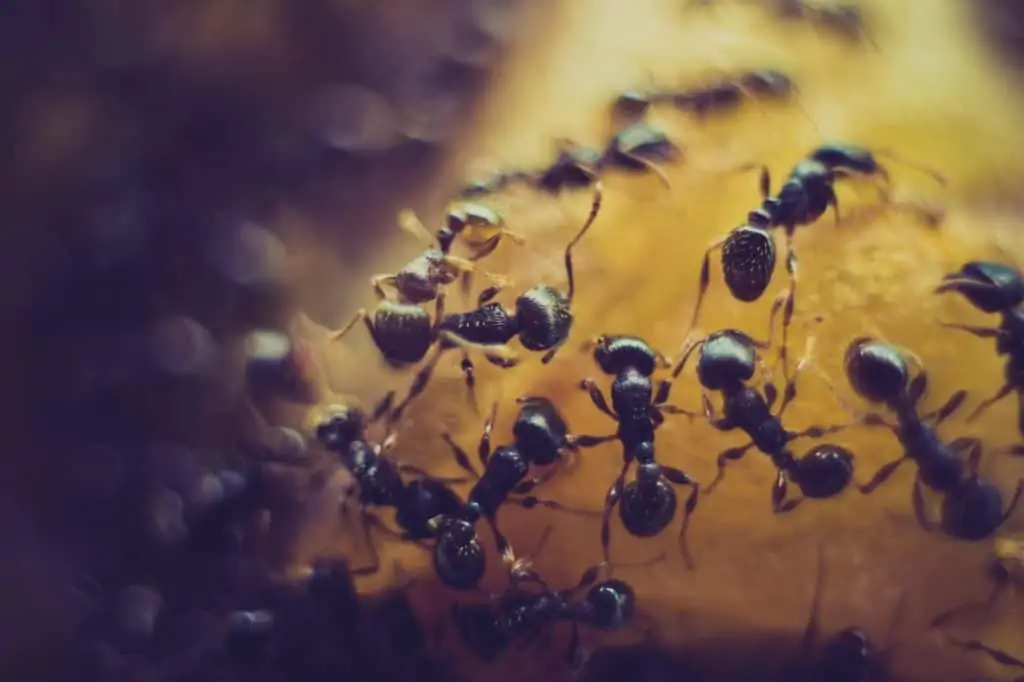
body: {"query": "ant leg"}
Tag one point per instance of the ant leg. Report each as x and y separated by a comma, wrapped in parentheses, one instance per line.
(469, 378)
(496, 353)
(488, 294)
(549, 356)
(780, 505)
(522, 570)
(723, 424)
(989, 402)
(597, 397)
(703, 282)
(789, 393)
(973, 448)
(411, 223)
(881, 476)
(483, 450)
(658, 171)
(764, 183)
(811, 631)
(419, 384)
(946, 411)
(682, 478)
(382, 408)
(362, 315)
(508, 557)
(996, 655)
(918, 387)
(789, 306)
(917, 499)
(611, 499)
(595, 208)
(724, 457)
(461, 458)
(936, 175)
(378, 282)
(1001, 581)
(980, 332)
(531, 502)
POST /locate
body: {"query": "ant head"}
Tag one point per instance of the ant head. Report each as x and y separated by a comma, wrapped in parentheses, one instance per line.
(989, 286)
(446, 237)
(877, 371)
(824, 471)
(748, 261)
(338, 426)
(614, 353)
(479, 629)
(973, 511)
(610, 604)
(727, 358)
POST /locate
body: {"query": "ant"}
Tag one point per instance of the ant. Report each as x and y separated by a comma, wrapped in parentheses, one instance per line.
(748, 251)
(727, 360)
(848, 656)
(995, 288)
(540, 437)
(648, 504)
(574, 166)
(542, 319)
(517, 614)
(341, 429)
(972, 508)
(723, 94)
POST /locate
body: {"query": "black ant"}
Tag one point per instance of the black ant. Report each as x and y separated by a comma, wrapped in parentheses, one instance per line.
(728, 359)
(540, 437)
(972, 508)
(720, 95)
(341, 429)
(849, 655)
(489, 629)
(995, 288)
(542, 319)
(748, 252)
(648, 504)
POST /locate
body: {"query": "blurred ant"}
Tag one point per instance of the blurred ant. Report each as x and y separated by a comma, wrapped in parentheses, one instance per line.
(517, 614)
(648, 504)
(478, 227)
(540, 437)
(341, 429)
(995, 288)
(842, 19)
(727, 360)
(972, 508)
(574, 166)
(724, 94)
(748, 252)
(849, 655)
(542, 319)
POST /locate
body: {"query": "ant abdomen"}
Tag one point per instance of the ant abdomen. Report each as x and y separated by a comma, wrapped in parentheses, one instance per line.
(748, 261)
(877, 371)
(459, 560)
(544, 318)
(973, 510)
(648, 504)
(824, 471)
(488, 324)
(402, 331)
(609, 605)
(614, 354)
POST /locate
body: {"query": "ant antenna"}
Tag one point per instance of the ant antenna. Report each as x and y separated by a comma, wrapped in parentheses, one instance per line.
(813, 623)
(411, 223)
(910, 163)
(595, 208)
(686, 351)
(658, 171)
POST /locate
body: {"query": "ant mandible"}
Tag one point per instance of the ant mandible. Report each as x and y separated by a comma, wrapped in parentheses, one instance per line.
(972, 508)
(748, 251)
(995, 288)
(540, 437)
(728, 359)
(648, 504)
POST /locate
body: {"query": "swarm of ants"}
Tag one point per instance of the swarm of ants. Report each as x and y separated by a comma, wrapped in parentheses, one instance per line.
(259, 627)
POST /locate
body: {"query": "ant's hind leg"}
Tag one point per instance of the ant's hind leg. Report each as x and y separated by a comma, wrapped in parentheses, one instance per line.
(917, 499)
(989, 402)
(724, 457)
(419, 384)
(378, 282)
(703, 283)
(611, 499)
(881, 476)
(597, 397)
(460, 455)
(780, 490)
(362, 315)
(1001, 581)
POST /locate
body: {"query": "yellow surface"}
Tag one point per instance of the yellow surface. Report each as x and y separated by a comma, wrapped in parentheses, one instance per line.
(930, 92)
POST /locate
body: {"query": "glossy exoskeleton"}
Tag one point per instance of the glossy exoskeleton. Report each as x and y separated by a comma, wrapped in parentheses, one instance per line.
(640, 147)
(723, 94)
(972, 508)
(521, 615)
(341, 430)
(542, 319)
(996, 288)
(540, 437)
(748, 252)
(648, 504)
(728, 359)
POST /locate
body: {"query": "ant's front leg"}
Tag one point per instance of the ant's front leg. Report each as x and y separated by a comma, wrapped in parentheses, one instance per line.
(660, 402)
(948, 408)
(724, 457)
(597, 397)
(720, 424)
(484, 448)
(461, 458)
(611, 499)
(918, 504)
(881, 476)
(780, 505)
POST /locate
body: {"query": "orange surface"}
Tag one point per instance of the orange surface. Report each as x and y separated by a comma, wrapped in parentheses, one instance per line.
(931, 92)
